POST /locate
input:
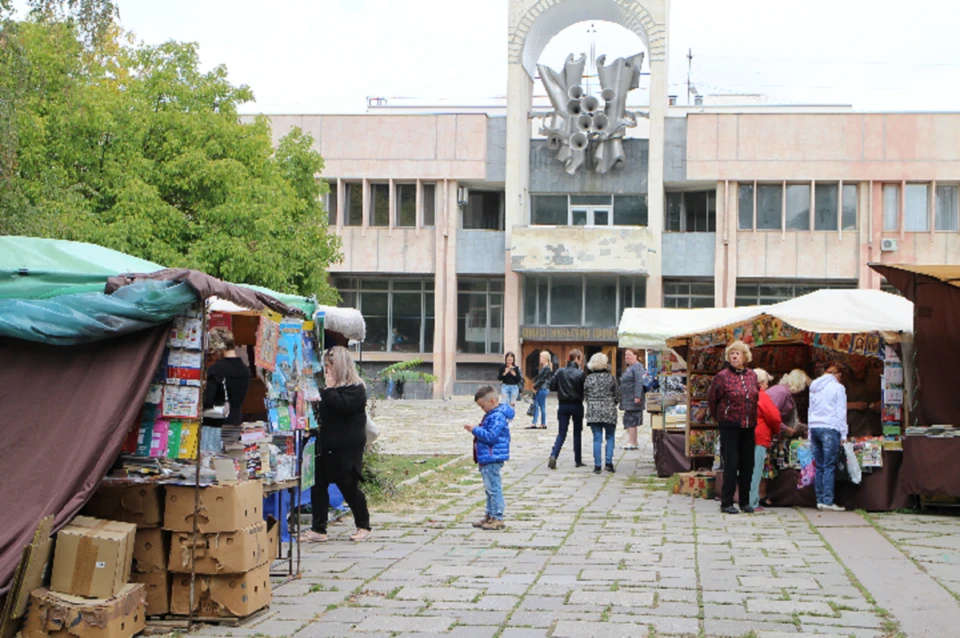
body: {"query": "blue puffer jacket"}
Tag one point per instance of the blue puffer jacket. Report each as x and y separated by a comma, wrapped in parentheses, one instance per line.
(492, 436)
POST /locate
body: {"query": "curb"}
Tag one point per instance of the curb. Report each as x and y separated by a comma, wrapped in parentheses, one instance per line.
(423, 475)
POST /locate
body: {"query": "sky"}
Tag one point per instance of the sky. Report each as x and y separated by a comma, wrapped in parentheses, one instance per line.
(328, 56)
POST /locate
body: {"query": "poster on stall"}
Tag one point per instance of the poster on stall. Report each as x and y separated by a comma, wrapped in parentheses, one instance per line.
(893, 398)
(268, 334)
(307, 476)
(183, 367)
(186, 332)
(180, 402)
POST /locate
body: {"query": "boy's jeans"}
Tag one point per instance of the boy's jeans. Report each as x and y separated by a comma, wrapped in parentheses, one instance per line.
(599, 429)
(826, 448)
(491, 483)
(508, 394)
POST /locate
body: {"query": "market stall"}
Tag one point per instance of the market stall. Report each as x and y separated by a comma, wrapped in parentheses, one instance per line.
(861, 327)
(648, 329)
(931, 443)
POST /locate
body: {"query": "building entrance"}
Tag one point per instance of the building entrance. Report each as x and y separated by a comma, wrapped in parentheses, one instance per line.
(559, 352)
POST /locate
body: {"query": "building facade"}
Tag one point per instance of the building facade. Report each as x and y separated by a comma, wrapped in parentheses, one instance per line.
(464, 238)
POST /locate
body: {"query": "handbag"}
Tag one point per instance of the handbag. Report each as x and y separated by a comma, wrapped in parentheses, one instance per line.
(219, 411)
(531, 409)
(372, 432)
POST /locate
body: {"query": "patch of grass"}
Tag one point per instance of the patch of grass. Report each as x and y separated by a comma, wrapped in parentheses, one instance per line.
(383, 473)
(393, 593)
(317, 587)
(605, 615)
(652, 483)
(615, 586)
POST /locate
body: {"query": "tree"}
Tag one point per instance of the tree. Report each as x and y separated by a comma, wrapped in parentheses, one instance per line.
(136, 148)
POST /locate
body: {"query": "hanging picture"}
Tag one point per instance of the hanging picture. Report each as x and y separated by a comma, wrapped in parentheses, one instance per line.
(180, 402)
(268, 335)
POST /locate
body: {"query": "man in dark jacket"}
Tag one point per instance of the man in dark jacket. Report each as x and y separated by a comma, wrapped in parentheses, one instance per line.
(568, 384)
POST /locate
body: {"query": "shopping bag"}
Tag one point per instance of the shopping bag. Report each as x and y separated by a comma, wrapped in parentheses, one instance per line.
(372, 432)
(853, 466)
(807, 475)
(842, 473)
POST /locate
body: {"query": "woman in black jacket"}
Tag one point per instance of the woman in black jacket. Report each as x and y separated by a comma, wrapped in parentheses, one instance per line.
(339, 458)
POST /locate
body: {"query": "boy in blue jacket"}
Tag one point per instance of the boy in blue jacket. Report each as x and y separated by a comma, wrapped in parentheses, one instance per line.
(491, 447)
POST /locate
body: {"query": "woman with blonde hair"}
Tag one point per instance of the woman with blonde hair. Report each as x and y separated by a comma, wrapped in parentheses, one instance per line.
(541, 388)
(342, 412)
(732, 400)
(602, 396)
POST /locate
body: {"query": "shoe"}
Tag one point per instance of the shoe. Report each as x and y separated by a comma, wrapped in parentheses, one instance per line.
(361, 535)
(765, 503)
(493, 525)
(581, 465)
(609, 467)
(833, 507)
(530, 427)
(543, 427)
(819, 506)
(552, 463)
(746, 509)
(759, 508)
(730, 510)
(596, 469)
(630, 447)
(481, 522)
(311, 536)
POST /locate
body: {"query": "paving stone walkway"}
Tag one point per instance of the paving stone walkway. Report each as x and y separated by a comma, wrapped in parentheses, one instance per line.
(583, 555)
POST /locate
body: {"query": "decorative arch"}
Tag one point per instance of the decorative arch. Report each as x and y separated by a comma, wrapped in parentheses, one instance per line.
(534, 27)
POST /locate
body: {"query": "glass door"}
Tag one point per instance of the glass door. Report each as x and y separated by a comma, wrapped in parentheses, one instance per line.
(590, 216)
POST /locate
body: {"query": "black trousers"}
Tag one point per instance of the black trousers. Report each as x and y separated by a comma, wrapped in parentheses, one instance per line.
(341, 472)
(736, 452)
(565, 413)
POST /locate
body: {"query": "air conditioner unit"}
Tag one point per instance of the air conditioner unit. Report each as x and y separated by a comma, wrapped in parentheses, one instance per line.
(888, 245)
(463, 196)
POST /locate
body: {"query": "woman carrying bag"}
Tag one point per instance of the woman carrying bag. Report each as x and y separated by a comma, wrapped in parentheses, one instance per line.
(340, 443)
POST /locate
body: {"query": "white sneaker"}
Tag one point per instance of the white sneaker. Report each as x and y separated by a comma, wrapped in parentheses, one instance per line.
(819, 506)
(833, 507)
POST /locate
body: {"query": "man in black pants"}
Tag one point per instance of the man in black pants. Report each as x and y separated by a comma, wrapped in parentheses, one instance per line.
(568, 384)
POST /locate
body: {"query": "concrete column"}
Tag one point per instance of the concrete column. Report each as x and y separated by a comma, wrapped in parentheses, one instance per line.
(439, 291)
(655, 193)
(517, 205)
(452, 216)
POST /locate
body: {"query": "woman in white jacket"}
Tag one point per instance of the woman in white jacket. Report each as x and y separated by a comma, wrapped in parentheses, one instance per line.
(827, 419)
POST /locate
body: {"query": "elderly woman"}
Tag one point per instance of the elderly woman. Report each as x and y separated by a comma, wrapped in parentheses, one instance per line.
(339, 458)
(732, 400)
(792, 384)
(768, 427)
(602, 395)
(541, 388)
(632, 389)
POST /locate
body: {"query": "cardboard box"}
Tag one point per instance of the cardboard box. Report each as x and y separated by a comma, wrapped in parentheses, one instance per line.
(223, 553)
(157, 587)
(62, 616)
(273, 537)
(150, 551)
(223, 508)
(93, 557)
(698, 484)
(140, 504)
(224, 596)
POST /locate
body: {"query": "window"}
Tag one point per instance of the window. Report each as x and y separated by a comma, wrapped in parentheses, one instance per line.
(798, 207)
(946, 217)
(589, 210)
(480, 316)
(692, 212)
(745, 206)
(330, 202)
(687, 294)
(406, 213)
(759, 293)
(580, 300)
(379, 205)
(429, 204)
(826, 200)
(353, 206)
(915, 214)
(483, 211)
(891, 206)
(849, 216)
(769, 206)
(398, 312)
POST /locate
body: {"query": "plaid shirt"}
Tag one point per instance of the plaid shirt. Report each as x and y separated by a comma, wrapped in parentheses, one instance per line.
(733, 397)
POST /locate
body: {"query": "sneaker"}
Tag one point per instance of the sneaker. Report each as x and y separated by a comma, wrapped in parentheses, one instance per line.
(596, 469)
(630, 447)
(758, 508)
(609, 467)
(481, 522)
(833, 507)
(552, 463)
(493, 525)
(730, 510)
(581, 465)
(746, 509)
(819, 506)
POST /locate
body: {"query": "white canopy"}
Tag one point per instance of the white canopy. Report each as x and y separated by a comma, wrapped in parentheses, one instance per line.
(649, 328)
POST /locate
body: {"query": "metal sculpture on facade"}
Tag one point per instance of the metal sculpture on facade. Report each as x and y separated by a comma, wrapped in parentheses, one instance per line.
(579, 124)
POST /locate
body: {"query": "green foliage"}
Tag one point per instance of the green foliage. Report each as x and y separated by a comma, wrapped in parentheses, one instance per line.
(135, 147)
(405, 371)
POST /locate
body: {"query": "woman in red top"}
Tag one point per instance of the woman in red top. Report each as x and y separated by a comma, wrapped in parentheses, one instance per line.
(768, 426)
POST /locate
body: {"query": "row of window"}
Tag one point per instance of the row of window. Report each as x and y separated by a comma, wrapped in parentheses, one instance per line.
(580, 300)
(483, 210)
(589, 210)
(809, 206)
(916, 207)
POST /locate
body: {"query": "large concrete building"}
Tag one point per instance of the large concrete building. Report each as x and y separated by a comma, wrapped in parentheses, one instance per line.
(463, 237)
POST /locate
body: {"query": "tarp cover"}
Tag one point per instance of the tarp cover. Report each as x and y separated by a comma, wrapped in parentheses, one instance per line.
(649, 328)
(934, 291)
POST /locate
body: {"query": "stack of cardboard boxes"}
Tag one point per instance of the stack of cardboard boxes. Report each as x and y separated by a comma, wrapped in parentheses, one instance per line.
(232, 550)
(90, 595)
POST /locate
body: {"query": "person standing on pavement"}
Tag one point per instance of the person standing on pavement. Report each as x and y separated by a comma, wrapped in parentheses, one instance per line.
(511, 377)
(768, 427)
(633, 386)
(541, 388)
(491, 449)
(602, 396)
(568, 384)
(827, 419)
(732, 401)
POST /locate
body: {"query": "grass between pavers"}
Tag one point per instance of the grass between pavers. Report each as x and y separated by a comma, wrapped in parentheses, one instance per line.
(880, 530)
(701, 613)
(383, 473)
